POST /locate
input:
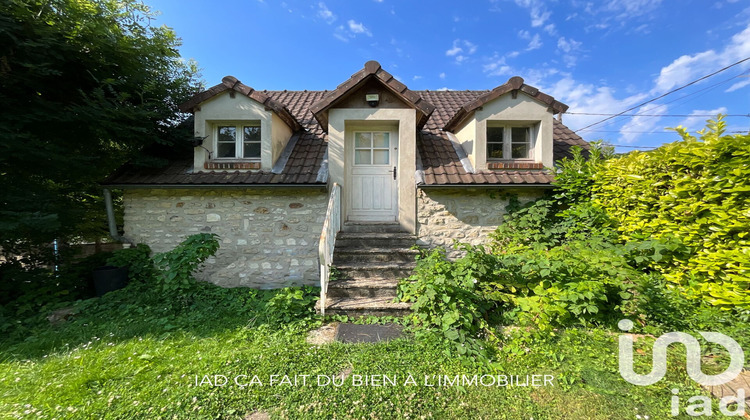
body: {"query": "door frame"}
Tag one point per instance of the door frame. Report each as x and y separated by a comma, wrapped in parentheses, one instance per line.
(351, 128)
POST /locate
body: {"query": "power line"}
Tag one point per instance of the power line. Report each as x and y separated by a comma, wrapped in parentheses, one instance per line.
(663, 95)
(651, 132)
(690, 97)
(704, 90)
(633, 147)
(653, 115)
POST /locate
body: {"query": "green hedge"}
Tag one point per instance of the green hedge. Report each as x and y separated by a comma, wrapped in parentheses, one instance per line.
(696, 190)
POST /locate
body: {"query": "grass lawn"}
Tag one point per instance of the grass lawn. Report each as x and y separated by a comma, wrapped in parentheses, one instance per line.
(135, 354)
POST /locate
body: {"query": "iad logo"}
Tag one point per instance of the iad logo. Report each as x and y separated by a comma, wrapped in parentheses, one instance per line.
(693, 361)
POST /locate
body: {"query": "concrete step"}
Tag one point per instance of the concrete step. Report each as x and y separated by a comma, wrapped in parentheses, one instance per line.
(374, 255)
(394, 271)
(356, 307)
(353, 240)
(365, 288)
(372, 227)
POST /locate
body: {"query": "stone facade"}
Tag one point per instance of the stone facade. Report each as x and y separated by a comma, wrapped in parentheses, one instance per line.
(269, 237)
(467, 215)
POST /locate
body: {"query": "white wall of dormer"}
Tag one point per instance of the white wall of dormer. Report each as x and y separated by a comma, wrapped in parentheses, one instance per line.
(275, 134)
(523, 110)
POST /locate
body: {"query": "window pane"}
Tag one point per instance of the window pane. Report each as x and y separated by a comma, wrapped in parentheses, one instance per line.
(252, 150)
(494, 150)
(520, 151)
(494, 134)
(363, 140)
(381, 140)
(380, 157)
(252, 133)
(520, 134)
(226, 150)
(362, 157)
(227, 133)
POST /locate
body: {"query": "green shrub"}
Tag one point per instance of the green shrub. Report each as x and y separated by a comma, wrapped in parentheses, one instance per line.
(291, 303)
(138, 260)
(696, 190)
(176, 267)
(445, 296)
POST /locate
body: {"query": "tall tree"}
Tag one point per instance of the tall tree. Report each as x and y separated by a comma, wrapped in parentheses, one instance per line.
(85, 85)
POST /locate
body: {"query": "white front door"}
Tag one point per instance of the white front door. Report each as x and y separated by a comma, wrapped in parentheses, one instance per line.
(373, 192)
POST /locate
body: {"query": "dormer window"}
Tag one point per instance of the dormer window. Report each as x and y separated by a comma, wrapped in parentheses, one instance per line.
(506, 142)
(238, 141)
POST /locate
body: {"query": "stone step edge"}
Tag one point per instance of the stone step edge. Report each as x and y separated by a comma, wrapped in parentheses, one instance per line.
(375, 235)
(365, 250)
(368, 283)
(376, 266)
(364, 303)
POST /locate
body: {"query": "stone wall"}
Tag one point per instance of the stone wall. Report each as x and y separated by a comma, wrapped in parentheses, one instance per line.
(269, 237)
(468, 215)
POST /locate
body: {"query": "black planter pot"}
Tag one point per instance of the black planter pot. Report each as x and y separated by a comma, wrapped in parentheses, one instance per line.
(109, 278)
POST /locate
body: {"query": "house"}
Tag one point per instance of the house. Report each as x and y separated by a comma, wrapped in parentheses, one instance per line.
(433, 165)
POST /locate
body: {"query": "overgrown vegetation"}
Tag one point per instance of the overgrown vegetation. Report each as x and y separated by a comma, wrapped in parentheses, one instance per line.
(696, 191)
(141, 352)
(631, 236)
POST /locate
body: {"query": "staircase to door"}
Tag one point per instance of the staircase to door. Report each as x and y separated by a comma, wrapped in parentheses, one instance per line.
(369, 261)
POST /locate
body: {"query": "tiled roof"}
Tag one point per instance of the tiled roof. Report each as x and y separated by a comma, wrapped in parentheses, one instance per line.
(372, 70)
(439, 161)
(231, 83)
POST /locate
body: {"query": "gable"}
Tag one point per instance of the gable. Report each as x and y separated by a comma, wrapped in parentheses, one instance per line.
(372, 72)
(356, 98)
(232, 86)
(512, 88)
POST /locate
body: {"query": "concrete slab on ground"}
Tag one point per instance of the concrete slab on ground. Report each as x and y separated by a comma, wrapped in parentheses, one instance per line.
(355, 333)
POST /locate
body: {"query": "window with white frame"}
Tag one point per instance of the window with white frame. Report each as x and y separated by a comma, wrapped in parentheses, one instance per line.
(238, 141)
(372, 148)
(505, 142)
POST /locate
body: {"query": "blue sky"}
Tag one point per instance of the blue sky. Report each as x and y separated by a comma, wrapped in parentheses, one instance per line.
(597, 57)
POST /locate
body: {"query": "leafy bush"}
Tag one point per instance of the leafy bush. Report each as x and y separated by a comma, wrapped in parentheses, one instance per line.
(291, 303)
(445, 295)
(696, 190)
(177, 266)
(138, 260)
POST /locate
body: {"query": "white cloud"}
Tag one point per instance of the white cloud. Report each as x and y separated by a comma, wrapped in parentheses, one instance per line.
(416, 77)
(738, 85)
(694, 123)
(690, 67)
(358, 28)
(626, 9)
(550, 29)
(588, 98)
(325, 13)
(537, 11)
(512, 54)
(637, 126)
(453, 51)
(535, 43)
(444, 89)
(340, 34)
(441, 76)
(461, 50)
(570, 48)
(568, 45)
